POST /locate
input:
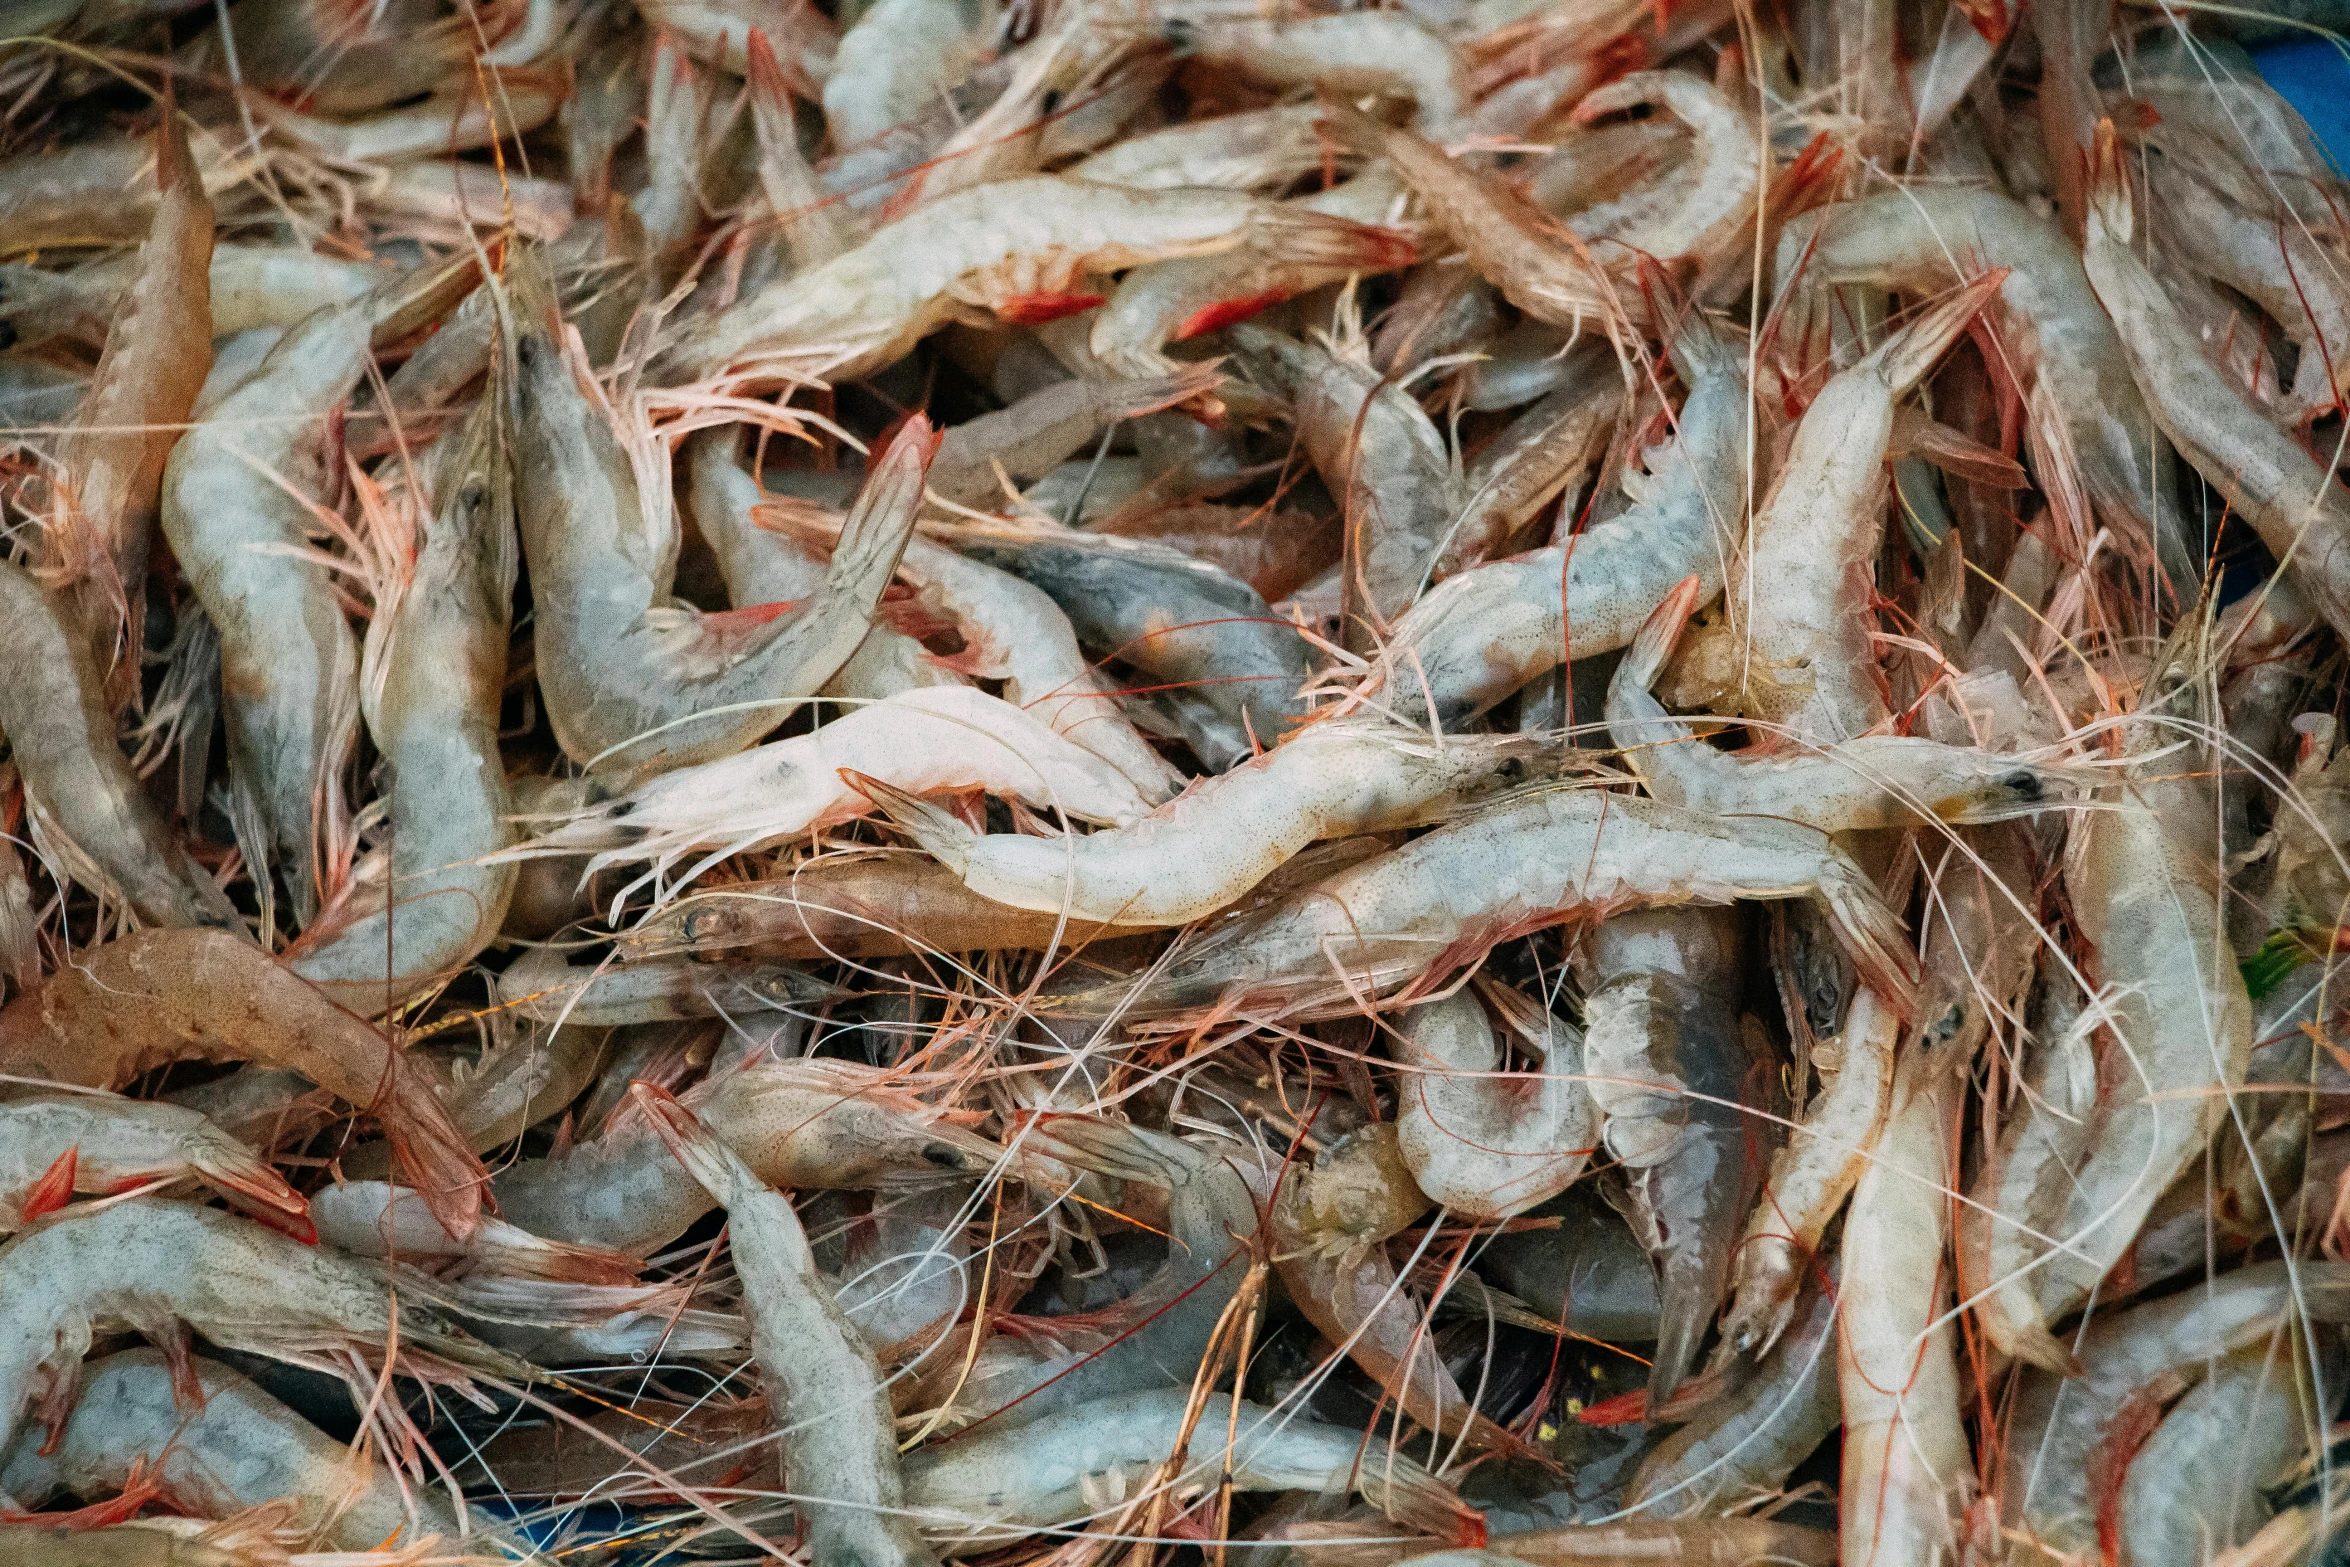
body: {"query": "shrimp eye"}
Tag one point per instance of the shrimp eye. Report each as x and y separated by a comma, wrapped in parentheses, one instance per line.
(2024, 785)
(945, 1155)
(1051, 100)
(1180, 32)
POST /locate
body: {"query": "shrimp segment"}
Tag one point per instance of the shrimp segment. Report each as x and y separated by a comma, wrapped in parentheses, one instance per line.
(1482, 1144)
(110, 1145)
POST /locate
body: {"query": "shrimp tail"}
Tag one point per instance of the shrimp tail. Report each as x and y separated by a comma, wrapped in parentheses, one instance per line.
(718, 1168)
(55, 1187)
(1413, 1497)
(1872, 935)
(251, 1185)
(1644, 661)
(429, 1153)
(873, 536)
(1904, 358)
(941, 836)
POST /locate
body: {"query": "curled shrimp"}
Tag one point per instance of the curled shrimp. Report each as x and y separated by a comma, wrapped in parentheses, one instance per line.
(1210, 845)
(54, 1145)
(832, 1414)
(1482, 1143)
(131, 1005)
(628, 680)
(1702, 210)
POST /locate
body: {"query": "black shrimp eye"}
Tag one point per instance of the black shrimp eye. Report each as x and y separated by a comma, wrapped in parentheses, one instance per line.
(2024, 785)
(1051, 100)
(945, 1155)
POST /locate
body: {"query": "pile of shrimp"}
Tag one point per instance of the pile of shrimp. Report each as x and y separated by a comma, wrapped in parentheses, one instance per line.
(1091, 783)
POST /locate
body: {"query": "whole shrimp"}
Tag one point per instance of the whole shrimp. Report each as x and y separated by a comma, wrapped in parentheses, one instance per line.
(1699, 213)
(805, 1123)
(546, 986)
(1866, 781)
(1085, 1462)
(1348, 54)
(1485, 1144)
(235, 513)
(629, 681)
(1475, 638)
(88, 808)
(1020, 248)
(831, 1413)
(1545, 452)
(156, 1265)
(216, 1444)
(2289, 498)
(1405, 919)
(1383, 459)
(1798, 592)
(1671, 1073)
(1048, 427)
(1210, 845)
(371, 1219)
(54, 1145)
(432, 673)
(127, 1007)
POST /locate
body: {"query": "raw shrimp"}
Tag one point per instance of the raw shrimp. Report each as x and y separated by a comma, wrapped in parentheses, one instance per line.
(815, 227)
(431, 676)
(371, 1219)
(1545, 452)
(1798, 593)
(871, 904)
(1702, 211)
(1208, 847)
(228, 1447)
(453, 118)
(235, 508)
(1406, 919)
(1013, 631)
(1346, 55)
(2066, 1430)
(155, 1265)
(110, 466)
(1473, 639)
(1255, 150)
(1925, 239)
(1810, 1177)
(1047, 428)
(1228, 667)
(116, 1011)
(894, 61)
(716, 31)
(1671, 1072)
(2287, 497)
(89, 809)
(989, 1486)
(807, 1123)
(97, 193)
(1385, 462)
(1022, 248)
(54, 1145)
(628, 680)
(545, 986)
(939, 739)
(825, 1396)
(1752, 1438)
(251, 287)
(1485, 1144)
(1866, 781)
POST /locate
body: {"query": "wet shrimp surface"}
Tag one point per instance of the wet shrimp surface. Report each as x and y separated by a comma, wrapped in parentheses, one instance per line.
(1154, 783)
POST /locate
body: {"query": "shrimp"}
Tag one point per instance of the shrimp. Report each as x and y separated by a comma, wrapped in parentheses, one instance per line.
(544, 986)
(1924, 239)
(876, 904)
(1047, 428)
(1546, 452)
(817, 1123)
(2069, 1433)
(1862, 782)
(371, 1219)
(251, 287)
(894, 61)
(431, 676)
(2143, 883)
(1481, 1143)
(991, 1486)
(235, 513)
(2289, 499)
(88, 808)
(1810, 1177)
(1751, 1439)
(1798, 591)
(1173, 301)
(1717, 1542)
(1671, 1071)
(1390, 52)
(1230, 669)
(825, 1396)
(99, 192)
(1211, 845)
(816, 228)
(716, 32)
(1021, 248)
(228, 1447)
(1014, 632)
(1382, 458)
(1475, 638)
(1702, 211)
(155, 1265)
(1403, 920)
(158, 349)
(1513, 244)
(629, 681)
(127, 1007)
(669, 207)
(455, 117)
(1254, 150)
(945, 738)
(54, 1145)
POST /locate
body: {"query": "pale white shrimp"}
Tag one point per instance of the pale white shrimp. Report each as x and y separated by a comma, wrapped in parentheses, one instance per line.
(373, 1219)
(990, 1486)
(1348, 54)
(1208, 847)
(816, 227)
(1703, 210)
(1798, 593)
(826, 1399)
(717, 31)
(1484, 1144)
(946, 738)
(1253, 150)
(54, 1145)
(455, 118)
(897, 59)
